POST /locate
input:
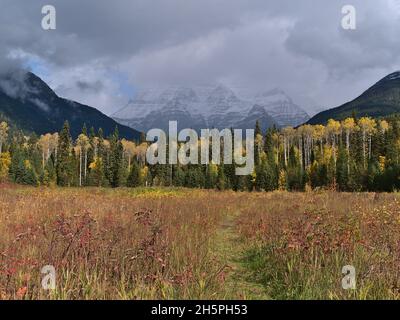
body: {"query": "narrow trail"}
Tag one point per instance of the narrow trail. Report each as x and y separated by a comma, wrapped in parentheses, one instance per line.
(230, 251)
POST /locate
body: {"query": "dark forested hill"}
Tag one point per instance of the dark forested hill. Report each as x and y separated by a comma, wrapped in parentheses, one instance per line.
(381, 99)
(29, 103)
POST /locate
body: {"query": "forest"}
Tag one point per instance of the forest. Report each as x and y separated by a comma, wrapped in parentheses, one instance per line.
(356, 154)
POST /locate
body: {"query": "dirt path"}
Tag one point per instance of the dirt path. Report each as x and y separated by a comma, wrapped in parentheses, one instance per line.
(230, 250)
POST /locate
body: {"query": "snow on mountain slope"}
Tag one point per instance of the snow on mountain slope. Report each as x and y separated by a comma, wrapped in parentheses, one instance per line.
(281, 108)
(209, 107)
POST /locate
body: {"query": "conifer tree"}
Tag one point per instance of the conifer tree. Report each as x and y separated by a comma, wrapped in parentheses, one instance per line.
(179, 176)
(342, 169)
(134, 175)
(63, 167)
(115, 163)
(257, 143)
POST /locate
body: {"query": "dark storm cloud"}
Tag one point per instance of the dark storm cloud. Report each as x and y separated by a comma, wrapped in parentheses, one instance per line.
(93, 29)
(297, 45)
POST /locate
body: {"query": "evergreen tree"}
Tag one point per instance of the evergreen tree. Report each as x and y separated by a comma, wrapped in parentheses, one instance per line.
(341, 169)
(261, 181)
(63, 167)
(354, 155)
(115, 163)
(21, 169)
(179, 177)
(257, 143)
(96, 175)
(134, 176)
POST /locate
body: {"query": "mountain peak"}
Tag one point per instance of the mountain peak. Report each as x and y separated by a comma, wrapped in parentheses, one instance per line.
(276, 95)
(222, 95)
(185, 94)
(211, 106)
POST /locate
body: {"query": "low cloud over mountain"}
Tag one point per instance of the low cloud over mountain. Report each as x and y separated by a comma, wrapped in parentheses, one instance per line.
(210, 107)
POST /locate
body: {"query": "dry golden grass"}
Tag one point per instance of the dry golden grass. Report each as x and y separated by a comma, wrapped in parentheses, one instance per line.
(167, 244)
(108, 244)
(300, 242)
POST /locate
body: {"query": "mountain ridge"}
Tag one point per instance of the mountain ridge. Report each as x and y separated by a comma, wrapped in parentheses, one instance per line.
(381, 99)
(209, 107)
(33, 106)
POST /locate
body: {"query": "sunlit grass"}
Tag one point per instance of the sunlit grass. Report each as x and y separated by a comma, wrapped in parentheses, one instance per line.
(298, 244)
(174, 243)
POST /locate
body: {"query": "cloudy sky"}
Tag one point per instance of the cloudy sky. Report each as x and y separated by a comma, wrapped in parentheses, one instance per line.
(103, 51)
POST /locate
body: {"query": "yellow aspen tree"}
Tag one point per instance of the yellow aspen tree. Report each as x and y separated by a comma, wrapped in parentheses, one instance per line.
(129, 150)
(299, 134)
(44, 143)
(288, 134)
(308, 143)
(319, 134)
(333, 130)
(54, 145)
(349, 126)
(3, 134)
(5, 162)
(367, 127)
(83, 145)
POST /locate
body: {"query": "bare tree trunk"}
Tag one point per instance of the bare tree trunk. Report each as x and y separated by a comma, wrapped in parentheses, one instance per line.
(43, 160)
(370, 147)
(85, 163)
(80, 168)
(285, 149)
(348, 150)
(322, 146)
(334, 148)
(301, 152)
(308, 151)
(363, 140)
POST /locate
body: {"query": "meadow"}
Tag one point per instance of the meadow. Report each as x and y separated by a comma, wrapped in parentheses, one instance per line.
(176, 243)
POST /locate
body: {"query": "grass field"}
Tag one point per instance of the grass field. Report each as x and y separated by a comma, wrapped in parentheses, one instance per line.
(194, 244)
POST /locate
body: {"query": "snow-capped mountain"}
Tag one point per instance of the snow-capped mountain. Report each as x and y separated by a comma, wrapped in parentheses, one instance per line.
(281, 108)
(209, 107)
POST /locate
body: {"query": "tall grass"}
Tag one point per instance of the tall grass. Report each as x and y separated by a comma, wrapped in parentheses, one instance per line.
(169, 243)
(298, 244)
(107, 244)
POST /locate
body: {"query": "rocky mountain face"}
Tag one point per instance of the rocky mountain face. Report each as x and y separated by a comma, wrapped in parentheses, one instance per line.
(209, 107)
(382, 99)
(29, 103)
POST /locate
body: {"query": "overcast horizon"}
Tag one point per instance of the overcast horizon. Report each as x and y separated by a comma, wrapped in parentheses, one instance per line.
(100, 53)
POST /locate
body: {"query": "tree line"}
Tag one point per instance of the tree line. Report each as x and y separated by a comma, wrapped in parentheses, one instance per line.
(351, 155)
